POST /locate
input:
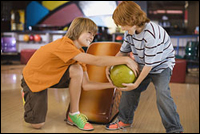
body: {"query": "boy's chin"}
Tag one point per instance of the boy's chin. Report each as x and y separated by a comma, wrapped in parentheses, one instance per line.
(86, 45)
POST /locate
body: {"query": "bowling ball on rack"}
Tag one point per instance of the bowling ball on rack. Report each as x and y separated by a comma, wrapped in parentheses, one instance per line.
(121, 74)
(31, 37)
(119, 37)
(37, 38)
(26, 38)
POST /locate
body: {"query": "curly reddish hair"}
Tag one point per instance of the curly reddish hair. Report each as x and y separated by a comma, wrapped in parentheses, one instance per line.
(129, 13)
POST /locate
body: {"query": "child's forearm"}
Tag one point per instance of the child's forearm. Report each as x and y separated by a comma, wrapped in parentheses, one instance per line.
(93, 85)
(111, 60)
(145, 71)
(102, 60)
(97, 86)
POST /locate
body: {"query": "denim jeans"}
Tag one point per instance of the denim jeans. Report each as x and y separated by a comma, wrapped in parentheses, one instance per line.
(166, 106)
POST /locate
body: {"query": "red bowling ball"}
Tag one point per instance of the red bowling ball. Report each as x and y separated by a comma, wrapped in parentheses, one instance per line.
(37, 38)
(31, 37)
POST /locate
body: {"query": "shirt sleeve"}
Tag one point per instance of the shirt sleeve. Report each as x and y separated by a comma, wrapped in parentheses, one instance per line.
(66, 51)
(125, 48)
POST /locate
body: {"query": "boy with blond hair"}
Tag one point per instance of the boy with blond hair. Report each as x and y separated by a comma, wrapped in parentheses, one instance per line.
(61, 63)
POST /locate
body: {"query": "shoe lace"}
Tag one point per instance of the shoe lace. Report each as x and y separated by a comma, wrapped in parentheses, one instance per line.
(119, 126)
(83, 118)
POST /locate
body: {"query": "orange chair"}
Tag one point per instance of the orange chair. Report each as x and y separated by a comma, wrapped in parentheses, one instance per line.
(100, 106)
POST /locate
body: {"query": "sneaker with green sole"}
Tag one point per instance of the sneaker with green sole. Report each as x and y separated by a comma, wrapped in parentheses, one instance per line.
(79, 120)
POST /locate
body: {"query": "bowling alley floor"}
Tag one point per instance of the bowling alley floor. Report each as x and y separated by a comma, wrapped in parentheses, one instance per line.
(146, 120)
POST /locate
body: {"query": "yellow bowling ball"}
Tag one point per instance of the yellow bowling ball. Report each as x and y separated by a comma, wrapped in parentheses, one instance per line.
(121, 74)
(26, 37)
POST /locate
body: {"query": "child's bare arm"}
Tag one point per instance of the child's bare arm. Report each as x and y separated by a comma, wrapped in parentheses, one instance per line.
(105, 60)
(91, 85)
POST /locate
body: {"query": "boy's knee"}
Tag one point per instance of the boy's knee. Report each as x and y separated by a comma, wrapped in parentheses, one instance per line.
(75, 70)
(38, 126)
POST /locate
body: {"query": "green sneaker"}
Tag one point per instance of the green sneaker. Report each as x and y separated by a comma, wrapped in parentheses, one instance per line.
(79, 120)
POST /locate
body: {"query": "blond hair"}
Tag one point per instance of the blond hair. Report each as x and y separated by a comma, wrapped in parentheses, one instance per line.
(129, 13)
(80, 25)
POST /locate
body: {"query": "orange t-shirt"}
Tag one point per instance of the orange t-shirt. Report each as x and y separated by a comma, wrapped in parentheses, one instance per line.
(48, 64)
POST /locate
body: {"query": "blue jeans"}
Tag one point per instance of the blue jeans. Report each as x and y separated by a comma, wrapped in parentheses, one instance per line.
(166, 106)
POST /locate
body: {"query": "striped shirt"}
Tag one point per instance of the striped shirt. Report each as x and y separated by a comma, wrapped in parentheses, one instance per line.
(152, 47)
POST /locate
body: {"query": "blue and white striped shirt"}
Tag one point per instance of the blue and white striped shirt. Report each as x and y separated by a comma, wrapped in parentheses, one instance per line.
(152, 47)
